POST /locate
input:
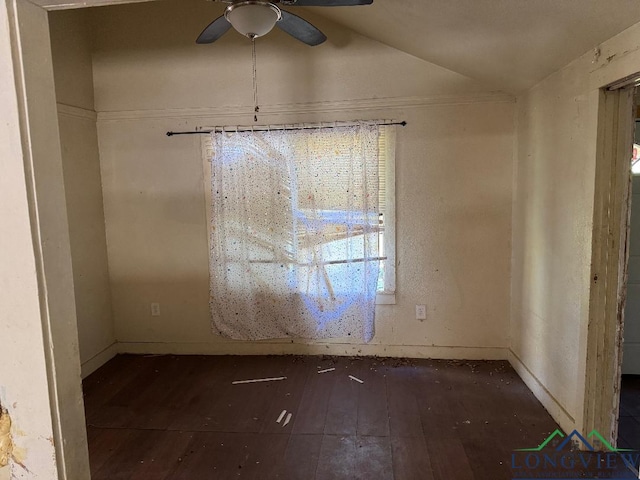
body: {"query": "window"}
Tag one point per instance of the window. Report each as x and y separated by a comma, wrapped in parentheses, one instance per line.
(334, 250)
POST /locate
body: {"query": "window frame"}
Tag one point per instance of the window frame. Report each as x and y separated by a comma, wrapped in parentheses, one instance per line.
(388, 295)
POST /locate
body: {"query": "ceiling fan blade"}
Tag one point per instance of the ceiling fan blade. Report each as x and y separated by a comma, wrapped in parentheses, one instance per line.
(328, 3)
(300, 29)
(214, 30)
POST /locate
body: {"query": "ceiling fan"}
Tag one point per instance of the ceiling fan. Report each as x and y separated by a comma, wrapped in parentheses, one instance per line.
(255, 18)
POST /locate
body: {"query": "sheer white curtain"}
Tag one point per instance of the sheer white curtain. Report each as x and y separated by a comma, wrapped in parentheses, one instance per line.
(294, 233)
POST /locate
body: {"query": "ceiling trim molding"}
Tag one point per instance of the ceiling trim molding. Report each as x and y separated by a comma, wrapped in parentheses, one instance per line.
(77, 112)
(71, 4)
(315, 107)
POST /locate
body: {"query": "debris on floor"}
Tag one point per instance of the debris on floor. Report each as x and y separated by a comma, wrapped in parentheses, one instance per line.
(326, 370)
(256, 380)
(286, 420)
(355, 378)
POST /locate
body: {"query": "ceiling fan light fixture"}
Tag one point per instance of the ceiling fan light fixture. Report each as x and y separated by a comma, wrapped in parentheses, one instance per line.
(253, 18)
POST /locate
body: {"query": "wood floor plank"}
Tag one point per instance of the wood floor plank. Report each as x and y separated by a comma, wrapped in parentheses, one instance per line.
(163, 399)
(111, 403)
(163, 455)
(265, 455)
(103, 446)
(107, 381)
(373, 412)
(353, 457)
(342, 407)
(337, 457)
(233, 455)
(484, 452)
(404, 413)
(449, 460)
(373, 458)
(411, 459)
(208, 455)
(312, 410)
(128, 455)
(207, 392)
(301, 457)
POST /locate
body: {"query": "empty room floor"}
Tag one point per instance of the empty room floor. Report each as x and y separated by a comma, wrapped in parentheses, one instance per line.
(180, 417)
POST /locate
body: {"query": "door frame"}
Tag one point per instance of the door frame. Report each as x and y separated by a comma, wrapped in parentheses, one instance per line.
(610, 242)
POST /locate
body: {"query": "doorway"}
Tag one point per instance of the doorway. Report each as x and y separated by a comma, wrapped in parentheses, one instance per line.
(629, 408)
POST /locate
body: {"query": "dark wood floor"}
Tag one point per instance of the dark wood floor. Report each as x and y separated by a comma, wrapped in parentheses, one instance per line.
(180, 417)
(629, 422)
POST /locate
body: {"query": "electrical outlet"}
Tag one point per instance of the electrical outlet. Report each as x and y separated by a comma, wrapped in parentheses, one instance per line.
(155, 309)
(421, 312)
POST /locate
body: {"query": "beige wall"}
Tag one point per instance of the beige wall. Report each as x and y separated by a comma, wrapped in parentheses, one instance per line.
(453, 176)
(552, 223)
(71, 48)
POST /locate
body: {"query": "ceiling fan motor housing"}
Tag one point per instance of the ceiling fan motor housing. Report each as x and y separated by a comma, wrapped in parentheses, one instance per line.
(253, 18)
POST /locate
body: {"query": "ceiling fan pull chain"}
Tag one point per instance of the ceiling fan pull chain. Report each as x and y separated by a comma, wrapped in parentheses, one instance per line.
(256, 109)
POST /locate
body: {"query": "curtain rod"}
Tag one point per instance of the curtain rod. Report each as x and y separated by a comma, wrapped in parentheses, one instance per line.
(277, 127)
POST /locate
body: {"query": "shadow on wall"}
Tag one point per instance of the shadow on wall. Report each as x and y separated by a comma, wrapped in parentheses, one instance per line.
(550, 277)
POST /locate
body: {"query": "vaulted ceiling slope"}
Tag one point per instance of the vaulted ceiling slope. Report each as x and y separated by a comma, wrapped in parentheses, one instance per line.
(508, 45)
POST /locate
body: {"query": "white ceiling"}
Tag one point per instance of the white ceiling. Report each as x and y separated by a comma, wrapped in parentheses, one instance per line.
(507, 44)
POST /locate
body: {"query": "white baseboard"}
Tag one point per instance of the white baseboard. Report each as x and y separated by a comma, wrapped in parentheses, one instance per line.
(548, 401)
(99, 359)
(272, 348)
(631, 359)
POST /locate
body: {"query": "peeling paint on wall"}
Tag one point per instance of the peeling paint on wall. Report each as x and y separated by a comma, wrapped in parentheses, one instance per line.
(8, 449)
(6, 442)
